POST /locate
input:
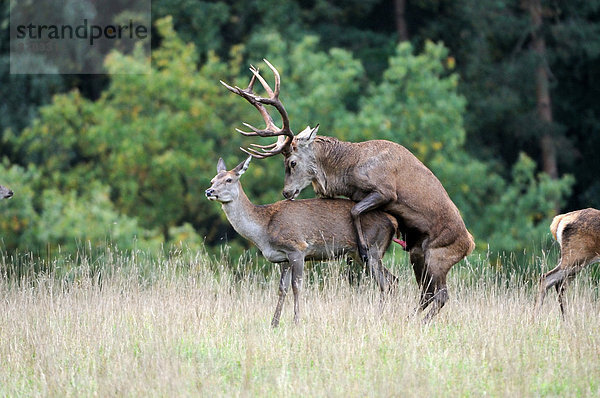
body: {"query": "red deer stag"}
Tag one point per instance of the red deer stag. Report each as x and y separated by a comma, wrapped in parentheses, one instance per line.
(578, 235)
(377, 174)
(290, 232)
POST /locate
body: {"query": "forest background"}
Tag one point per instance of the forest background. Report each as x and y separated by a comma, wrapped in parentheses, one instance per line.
(500, 99)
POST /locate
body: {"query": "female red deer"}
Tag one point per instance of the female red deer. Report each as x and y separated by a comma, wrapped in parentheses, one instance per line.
(290, 232)
(578, 234)
(376, 174)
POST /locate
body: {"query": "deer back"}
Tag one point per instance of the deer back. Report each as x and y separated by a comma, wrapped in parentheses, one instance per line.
(322, 227)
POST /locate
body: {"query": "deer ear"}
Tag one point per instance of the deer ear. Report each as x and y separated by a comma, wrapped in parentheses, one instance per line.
(307, 136)
(221, 165)
(242, 167)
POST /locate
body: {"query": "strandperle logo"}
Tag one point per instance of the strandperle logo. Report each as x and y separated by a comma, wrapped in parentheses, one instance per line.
(80, 36)
(83, 31)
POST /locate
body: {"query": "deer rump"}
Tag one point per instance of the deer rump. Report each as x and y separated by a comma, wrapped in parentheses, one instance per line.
(578, 235)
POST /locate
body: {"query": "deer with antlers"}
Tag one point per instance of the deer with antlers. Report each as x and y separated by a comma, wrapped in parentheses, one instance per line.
(375, 174)
(290, 232)
(578, 235)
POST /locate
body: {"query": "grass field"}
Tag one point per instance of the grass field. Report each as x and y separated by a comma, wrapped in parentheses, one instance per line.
(184, 325)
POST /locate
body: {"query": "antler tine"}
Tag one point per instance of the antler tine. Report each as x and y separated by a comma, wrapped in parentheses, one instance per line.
(270, 146)
(268, 132)
(284, 134)
(277, 78)
(263, 82)
(274, 101)
(256, 132)
(234, 90)
(252, 98)
(247, 133)
(252, 80)
(265, 151)
(253, 153)
(239, 91)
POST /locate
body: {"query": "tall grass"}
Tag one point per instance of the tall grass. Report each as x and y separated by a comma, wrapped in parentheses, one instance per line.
(186, 324)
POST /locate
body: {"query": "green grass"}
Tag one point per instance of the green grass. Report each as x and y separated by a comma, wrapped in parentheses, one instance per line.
(186, 325)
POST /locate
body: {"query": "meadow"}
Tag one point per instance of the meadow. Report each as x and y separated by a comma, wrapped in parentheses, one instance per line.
(190, 324)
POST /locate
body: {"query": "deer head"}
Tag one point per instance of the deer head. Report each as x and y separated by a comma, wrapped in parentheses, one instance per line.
(225, 186)
(300, 163)
(5, 193)
(299, 158)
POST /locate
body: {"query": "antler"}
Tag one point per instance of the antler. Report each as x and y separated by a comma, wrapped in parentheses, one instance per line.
(284, 134)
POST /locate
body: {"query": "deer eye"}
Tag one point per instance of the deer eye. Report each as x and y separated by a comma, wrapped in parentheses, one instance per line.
(228, 180)
(293, 164)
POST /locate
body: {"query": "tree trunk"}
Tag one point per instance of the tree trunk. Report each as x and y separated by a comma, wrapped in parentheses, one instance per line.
(544, 101)
(401, 29)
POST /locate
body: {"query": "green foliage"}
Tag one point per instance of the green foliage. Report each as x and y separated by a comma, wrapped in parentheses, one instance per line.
(136, 161)
(199, 22)
(19, 217)
(491, 43)
(318, 87)
(518, 211)
(415, 105)
(40, 219)
(69, 220)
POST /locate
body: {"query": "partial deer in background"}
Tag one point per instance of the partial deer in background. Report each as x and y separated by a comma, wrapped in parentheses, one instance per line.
(5, 193)
(578, 234)
(376, 174)
(290, 232)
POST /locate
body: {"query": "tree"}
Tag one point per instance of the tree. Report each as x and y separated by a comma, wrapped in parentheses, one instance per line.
(543, 99)
(400, 16)
(507, 83)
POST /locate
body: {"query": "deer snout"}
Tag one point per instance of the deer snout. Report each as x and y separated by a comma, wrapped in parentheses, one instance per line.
(209, 193)
(9, 194)
(290, 195)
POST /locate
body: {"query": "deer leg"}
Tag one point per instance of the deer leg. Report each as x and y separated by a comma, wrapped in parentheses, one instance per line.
(560, 289)
(382, 276)
(417, 259)
(391, 279)
(354, 273)
(427, 291)
(438, 298)
(284, 284)
(551, 278)
(371, 201)
(376, 269)
(297, 263)
(438, 261)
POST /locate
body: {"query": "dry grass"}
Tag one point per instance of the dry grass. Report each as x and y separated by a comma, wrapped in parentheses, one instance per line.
(191, 328)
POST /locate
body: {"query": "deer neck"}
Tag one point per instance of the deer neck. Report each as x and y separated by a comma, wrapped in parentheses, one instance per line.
(246, 218)
(330, 167)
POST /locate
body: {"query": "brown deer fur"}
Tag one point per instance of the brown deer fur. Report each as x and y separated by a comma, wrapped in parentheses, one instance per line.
(578, 234)
(290, 232)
